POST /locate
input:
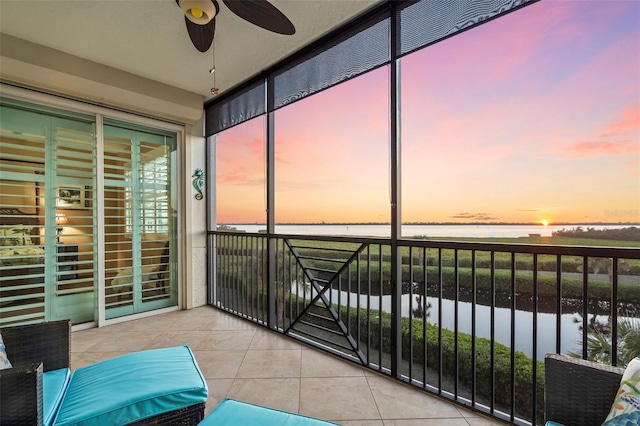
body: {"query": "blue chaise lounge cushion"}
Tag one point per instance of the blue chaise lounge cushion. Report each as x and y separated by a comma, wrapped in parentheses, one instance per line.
(233, 413)
(54, 384)
(133, 387)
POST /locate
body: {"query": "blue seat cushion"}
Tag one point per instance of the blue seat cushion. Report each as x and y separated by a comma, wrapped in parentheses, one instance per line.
(133, 387)
(232, 413)
(54, 384)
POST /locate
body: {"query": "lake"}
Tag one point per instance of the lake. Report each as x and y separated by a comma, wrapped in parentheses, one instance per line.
(478, 231)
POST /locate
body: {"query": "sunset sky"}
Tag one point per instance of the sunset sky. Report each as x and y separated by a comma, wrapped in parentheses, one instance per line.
(534, 116)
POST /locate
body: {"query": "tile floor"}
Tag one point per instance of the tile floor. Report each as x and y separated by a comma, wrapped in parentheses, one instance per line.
(246, 362)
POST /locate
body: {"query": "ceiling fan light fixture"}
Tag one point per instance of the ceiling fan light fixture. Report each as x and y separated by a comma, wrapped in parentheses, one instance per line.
(199, 12)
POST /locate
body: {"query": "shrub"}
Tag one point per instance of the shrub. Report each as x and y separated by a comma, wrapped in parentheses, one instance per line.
(523, 379)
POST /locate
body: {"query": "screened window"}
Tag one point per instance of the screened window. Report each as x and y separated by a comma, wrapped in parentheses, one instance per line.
(531, 121)
(331, 164)
(241, 174)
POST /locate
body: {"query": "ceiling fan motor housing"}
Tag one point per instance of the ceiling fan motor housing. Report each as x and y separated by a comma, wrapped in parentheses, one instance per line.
(199, 12)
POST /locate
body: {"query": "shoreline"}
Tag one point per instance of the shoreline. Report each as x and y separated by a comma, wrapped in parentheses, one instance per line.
(630, 224)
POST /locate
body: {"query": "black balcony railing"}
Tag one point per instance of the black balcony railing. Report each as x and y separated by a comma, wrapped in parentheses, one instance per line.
(468, 321)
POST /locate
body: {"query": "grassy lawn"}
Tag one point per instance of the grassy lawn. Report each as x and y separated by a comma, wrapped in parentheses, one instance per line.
(554, 241)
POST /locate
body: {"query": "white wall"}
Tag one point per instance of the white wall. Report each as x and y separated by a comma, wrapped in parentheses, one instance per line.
(36, 66)
(196, 226)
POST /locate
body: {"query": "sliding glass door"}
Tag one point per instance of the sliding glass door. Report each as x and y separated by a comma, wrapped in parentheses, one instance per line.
(140, 219)
(53, 165)
(47, 176)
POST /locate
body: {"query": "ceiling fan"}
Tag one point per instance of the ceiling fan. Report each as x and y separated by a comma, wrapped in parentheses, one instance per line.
(200, 18)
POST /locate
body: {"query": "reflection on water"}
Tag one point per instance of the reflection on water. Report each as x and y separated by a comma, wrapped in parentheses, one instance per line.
(546, 323)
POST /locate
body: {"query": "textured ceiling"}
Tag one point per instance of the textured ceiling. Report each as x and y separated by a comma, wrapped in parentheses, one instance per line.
(149, 38)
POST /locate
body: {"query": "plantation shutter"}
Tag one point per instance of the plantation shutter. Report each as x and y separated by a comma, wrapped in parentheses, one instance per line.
(23, 138)
(74, 165)
(138, 220)
(47, 271)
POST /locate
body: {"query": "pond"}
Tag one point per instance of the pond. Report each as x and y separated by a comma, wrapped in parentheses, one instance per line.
(571, 332)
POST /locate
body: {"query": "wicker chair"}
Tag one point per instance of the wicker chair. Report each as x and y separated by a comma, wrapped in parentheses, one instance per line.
(578, 392)
(34, 349)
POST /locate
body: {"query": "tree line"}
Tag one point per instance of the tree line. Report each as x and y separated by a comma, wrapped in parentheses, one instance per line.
(631, 233)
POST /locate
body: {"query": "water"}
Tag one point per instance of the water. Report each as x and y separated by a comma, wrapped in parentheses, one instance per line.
(477, 231)
(571, 333)
(570, 337)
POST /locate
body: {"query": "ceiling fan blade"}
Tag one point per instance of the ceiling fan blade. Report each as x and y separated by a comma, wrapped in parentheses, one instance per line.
(263, 14)
(201, 35)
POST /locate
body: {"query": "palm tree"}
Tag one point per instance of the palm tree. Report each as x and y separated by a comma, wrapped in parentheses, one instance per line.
(599, 341)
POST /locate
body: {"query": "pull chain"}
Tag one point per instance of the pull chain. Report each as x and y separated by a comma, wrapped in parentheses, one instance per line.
(214, 89)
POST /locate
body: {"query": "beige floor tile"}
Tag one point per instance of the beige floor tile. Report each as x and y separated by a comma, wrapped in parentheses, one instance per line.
(398, 401)
(336, 399)
(317, 364)
(83, 340)
(218, 390)
(165, 339)
(137, 325)
(219, 364)
(195, 319)
(468, 413)
(271, 340)
(270, 363)
(227, 322)
(281, 394)
(369, 373)
(163, 322)
(479, 419)
(483, 421)
(244, 361)
(225, 340)
(126, 341)
(426, 422)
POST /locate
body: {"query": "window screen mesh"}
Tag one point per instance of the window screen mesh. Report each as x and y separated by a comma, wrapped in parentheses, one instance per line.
(355, 53)
(239, 108)
(428, 21)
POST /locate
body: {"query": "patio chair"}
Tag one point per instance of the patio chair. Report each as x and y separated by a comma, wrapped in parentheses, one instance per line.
(159, 387)
(578, 392)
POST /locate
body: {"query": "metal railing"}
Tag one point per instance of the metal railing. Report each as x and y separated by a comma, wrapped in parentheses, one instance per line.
(468, 321)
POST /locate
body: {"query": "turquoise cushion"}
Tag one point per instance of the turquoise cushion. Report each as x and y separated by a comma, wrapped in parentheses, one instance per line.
(232, 413)
(550, 423)
(54, 383)
(133, 387)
